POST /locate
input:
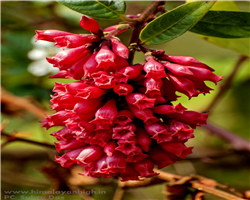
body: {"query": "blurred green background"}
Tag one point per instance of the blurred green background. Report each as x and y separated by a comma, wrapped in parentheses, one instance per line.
(24, 73)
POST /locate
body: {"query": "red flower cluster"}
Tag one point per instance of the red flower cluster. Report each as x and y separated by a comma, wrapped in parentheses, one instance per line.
(119, 119)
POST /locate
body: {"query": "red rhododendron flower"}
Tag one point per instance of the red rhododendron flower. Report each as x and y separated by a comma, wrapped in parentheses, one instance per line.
(120, 120)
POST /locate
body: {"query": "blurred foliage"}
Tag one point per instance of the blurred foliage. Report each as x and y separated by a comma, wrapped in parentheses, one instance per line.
(19, 21)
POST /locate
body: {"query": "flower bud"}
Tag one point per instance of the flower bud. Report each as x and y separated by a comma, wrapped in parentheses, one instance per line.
(89, 154)
(154, 69)
(71, 144)
(75, 40)
(69, 158)
(130, 173)
(109, 148)
(120, 49)
(116, 163)
(50, 35)
(90, 92)
(144, 139)
(145, 168)
(89, 24)
(106, 114)
(146, 115)
(140, 101)
(65, 59)
(191, 118)
(105, 58)
(168, 109)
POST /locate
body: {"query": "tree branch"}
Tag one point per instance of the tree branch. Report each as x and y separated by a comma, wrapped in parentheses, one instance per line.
(22, 103)
(238, 143)
(199, 184)
(12, 138)
(226, 83)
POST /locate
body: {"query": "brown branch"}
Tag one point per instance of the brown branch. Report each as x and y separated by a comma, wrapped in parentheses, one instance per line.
(238, 143)
(139, 25)
(197, 185)
(22, 103)
(226, 84)
(119, 192)
(12, 138)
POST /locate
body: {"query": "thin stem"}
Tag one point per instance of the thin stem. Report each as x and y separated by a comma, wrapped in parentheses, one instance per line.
(227, 83)
(146, 13)
(238, 143)
(12, 138)
(197, 185)
(139, 25)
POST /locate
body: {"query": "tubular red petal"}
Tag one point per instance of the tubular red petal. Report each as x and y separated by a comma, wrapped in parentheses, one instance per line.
(89, 24)
(154, 69)
(161, 158)
(106, 114)
(123, 117)
(50, 35)
(90, 92)
(116, 162)
(123, 89)
(90, 66)
(75, 40)
(168, 109)
(124, 132)
(183, 85)
(146, 115)
(139, 100)
(145, 168)
(143, 139)
(119, 49)
(77, 71)
(205, 75)
(90, 154)
(185, 60)
(71, 144)
(130, 173)
(65, 59)
(69, 158)
(105, 58)
(191, 118)
(109, 148)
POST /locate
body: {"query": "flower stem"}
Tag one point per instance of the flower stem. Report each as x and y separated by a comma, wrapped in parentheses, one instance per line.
(139, 25)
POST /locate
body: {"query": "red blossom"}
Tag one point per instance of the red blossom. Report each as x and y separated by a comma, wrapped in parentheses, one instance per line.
(121, 120)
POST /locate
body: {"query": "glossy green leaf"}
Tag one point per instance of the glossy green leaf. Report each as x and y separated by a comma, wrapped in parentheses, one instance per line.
(100, 9)
(175, 22)
(240, 45)
(224, 24)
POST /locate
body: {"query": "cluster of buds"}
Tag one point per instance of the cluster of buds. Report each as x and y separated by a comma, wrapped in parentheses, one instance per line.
(117, 119)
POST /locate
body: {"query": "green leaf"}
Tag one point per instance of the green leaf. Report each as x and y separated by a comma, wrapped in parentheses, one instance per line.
(224, 24)
(240, 45)
(175, 22)
(100, 9)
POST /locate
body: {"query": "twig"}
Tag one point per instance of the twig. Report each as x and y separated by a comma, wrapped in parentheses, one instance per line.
(119, 192)
(22, 103)
(226, 83)
(199, 186)
(139, 25)
(12, 138)
(214, 191)
(238, 143)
